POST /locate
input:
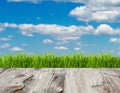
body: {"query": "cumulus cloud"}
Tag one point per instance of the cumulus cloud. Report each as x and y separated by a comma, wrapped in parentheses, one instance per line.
(7, 25)
(60, 48)
(47, 41)
(66, 33)
(62, 33)
(106, 29)
(98, 10)
(31, 1)
(83, 44)
(16, 49)
(37, 1)
(6, 45)
(77, 49)
(114, 40)
(73, 1)
(9, 37)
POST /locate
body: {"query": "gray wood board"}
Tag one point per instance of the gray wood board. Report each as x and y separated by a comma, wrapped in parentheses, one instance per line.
(60, 80)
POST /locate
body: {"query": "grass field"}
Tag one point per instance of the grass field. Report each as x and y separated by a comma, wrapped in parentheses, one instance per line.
(50, 60)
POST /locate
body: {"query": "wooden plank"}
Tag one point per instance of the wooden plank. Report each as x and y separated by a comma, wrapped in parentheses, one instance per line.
(2, 70)
(56, 85)
(47, 81)
(40, 81)
(60, 80)
(81, 80)
(92, 81)
(12, 79)
(111, 81)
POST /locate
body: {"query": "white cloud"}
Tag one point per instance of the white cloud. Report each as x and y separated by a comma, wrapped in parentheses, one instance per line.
(26, 29)
(37, 1)
(88, 2)
(62, 42)
(6, 45)
(60, 48)
(11, 25)
(80, 44)
(27, 33)
(98, 10)
(9, 37)
(17, 49)
(83, 44)
(31, 1)
(73, 1)
(114, 40)
(66, 33)
(106, 29)
(62, 33)
(24, 44)
(1, 29)
(7, 25)
(68, 38)
(77, 49)
(47, 41)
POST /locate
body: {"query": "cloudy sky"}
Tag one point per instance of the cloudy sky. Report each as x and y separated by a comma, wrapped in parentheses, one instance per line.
(59, 26)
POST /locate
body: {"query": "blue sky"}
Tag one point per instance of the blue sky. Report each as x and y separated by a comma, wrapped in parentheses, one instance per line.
(59, 26)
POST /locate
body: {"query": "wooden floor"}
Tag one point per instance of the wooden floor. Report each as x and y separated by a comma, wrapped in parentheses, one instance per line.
(59, 80)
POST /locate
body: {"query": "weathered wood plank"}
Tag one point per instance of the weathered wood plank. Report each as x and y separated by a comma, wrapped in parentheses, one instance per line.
(111, 81)
(40, 81)
(2, 70)
(12, 79)
(60, 80)
(92, 81)
(46, 81)
(56, 85)
(82, 80)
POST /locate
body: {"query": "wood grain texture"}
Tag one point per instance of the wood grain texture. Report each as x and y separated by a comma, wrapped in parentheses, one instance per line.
(60, 80)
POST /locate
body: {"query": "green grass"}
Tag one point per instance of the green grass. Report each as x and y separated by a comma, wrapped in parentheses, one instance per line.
(50, 60)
